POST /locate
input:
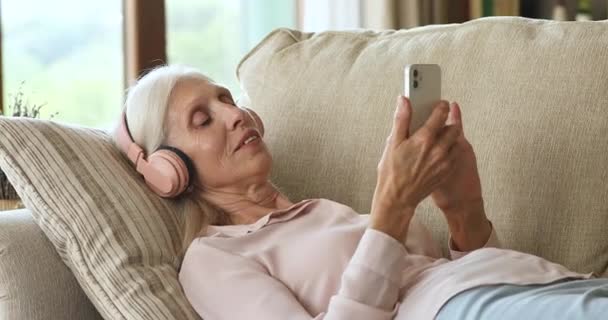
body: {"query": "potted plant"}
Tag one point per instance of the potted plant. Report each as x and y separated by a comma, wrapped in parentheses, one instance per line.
(19, 107)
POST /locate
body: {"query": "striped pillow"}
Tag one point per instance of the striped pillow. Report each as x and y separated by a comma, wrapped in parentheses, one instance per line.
(119, 239)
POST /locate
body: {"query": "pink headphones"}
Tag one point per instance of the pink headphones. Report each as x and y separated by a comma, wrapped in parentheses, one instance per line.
(167, 171)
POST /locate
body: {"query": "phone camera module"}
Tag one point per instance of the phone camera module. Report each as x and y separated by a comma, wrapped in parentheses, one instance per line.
(415, 84)
(415, 73)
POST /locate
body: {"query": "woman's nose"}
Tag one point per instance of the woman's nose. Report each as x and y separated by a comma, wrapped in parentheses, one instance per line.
(235, 116)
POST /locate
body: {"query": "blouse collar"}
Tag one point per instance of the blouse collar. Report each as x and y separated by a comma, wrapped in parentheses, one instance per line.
(272, 217)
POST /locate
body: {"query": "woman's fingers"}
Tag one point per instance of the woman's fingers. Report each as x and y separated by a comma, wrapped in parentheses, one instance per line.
(455, 117)
(410, 169)
(448, 137)
(451, 159)
(401, 124)
(446, 164)
(437, 119)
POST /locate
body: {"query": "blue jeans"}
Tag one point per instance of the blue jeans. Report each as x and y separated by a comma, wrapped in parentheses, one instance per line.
(561, 300)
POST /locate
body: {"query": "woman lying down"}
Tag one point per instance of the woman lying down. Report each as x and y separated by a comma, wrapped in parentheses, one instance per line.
(254, 254)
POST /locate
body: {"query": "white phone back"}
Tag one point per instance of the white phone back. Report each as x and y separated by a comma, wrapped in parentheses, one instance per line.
(426, 95)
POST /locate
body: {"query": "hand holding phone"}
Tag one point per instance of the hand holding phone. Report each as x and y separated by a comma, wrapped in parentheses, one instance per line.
(411, 169)
(422, 86)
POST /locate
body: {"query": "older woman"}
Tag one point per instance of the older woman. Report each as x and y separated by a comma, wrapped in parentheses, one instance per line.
(254, 254)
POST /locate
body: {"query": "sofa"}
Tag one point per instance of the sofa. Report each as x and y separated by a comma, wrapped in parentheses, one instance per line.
(534, 100)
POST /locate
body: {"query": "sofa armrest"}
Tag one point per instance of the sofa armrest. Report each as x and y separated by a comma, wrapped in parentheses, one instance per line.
(34, 282)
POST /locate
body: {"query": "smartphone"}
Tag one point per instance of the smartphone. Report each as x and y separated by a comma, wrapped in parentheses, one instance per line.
(423, 88)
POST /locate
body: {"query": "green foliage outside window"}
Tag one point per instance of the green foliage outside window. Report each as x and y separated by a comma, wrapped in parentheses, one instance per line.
(213, 35)
(69, 53)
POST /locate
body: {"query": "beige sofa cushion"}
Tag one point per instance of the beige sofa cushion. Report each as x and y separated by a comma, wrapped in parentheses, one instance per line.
(534, 97)
(34, 283)
(119, 239)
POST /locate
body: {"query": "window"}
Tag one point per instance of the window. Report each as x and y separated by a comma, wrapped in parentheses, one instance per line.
(66, 54)
(213, 35)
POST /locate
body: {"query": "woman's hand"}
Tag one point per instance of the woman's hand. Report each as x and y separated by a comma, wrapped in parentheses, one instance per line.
(463, 187)
(459, 195)
(411, 167)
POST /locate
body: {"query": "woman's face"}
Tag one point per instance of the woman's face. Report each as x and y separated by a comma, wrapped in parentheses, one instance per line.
(204, 122)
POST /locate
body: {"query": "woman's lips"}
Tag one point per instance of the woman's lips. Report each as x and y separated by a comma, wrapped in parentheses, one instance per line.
(254, 142)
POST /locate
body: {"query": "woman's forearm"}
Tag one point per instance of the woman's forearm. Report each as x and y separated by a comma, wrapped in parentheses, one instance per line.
(470, 227)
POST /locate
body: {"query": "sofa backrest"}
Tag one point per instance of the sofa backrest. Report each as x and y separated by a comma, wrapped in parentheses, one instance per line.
(534, 97)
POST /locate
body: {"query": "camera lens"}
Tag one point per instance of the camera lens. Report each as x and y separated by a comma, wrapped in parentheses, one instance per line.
(415, 73)
(415, 84)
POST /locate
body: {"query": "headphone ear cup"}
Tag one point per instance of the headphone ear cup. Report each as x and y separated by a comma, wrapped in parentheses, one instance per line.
(172, 169)
(256, 118)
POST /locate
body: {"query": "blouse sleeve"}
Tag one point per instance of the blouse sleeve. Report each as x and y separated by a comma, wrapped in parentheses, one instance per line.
(419, 239)
(492, 242)
(223, 285)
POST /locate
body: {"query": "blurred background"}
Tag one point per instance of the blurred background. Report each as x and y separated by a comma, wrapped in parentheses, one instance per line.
(74, 59)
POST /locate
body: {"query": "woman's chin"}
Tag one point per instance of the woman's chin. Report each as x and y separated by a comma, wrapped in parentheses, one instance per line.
(250, 152)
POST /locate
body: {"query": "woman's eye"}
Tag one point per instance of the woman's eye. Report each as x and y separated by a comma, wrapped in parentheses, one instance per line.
(200, 119)
(229, 100)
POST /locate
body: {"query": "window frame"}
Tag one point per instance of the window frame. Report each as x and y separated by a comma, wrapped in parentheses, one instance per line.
(144, 37)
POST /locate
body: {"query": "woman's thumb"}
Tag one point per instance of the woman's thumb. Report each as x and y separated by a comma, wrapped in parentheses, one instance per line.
(455, 116)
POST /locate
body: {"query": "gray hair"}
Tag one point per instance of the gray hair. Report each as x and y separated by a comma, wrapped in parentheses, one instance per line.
(146, 106)
(148, 100)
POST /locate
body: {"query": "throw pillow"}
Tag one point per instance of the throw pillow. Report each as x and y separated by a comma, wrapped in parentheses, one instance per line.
(120, 240)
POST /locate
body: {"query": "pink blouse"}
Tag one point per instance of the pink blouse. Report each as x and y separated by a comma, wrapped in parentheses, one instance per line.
(318, 260)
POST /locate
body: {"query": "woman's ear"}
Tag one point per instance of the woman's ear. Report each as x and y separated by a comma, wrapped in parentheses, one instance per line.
(256, 119)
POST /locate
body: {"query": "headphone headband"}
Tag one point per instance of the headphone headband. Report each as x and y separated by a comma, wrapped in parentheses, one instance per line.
(126, 143)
